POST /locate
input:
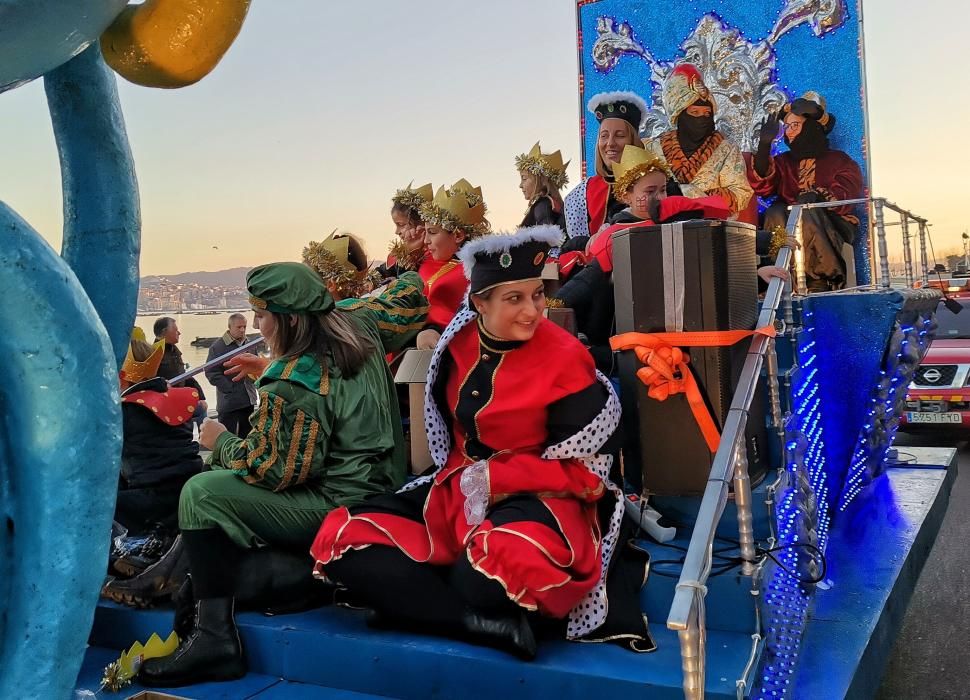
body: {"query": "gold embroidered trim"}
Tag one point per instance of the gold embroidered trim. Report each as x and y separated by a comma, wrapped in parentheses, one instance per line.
(274, 430)
(290, 468)
(308, 452)
(445, 269)
(257, 303)
(288, 369)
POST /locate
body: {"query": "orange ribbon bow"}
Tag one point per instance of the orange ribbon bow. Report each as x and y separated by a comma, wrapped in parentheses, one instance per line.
(666, 372)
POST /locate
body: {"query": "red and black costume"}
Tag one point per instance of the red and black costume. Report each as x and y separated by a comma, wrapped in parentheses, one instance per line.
(521, 433)
(444, 286)
(812, 172)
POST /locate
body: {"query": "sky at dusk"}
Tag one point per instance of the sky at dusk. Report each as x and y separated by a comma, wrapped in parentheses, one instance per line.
(322, 109)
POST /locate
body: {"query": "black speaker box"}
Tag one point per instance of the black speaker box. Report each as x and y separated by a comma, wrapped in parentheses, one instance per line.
(686, 276)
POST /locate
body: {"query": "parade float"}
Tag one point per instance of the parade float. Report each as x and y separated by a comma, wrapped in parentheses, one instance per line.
(789, 565)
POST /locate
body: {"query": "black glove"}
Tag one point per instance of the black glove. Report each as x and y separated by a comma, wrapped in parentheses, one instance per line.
(769, 130)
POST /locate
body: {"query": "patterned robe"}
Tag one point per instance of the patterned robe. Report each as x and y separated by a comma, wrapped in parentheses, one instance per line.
(716, 168)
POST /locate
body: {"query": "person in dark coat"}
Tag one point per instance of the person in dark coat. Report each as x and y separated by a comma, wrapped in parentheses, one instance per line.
(173, 365)
(234, 400)
(541, 176)
(158, 454)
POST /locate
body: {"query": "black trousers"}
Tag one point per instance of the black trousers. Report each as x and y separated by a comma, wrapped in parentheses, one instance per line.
(403, 589)
(138, 509)
(237, 420)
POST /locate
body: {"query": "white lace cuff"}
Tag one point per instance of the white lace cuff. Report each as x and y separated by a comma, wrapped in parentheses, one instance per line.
(474, 486)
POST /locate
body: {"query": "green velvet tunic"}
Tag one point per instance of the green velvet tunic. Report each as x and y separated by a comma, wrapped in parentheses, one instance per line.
(319, 440)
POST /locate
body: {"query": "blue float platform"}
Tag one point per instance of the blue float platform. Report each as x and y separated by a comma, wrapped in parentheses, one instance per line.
(850, 636)
(331, 653)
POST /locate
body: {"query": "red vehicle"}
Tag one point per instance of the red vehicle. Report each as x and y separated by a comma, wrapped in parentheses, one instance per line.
(939, 396)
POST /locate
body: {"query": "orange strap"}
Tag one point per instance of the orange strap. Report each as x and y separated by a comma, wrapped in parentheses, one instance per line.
(665, 369)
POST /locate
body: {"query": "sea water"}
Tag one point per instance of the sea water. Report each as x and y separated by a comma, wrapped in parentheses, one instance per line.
(193, 325)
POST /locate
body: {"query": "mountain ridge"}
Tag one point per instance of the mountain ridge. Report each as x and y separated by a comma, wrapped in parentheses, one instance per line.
(232, 277)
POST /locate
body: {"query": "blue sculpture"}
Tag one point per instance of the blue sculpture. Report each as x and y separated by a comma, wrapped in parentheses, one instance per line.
(66, 321)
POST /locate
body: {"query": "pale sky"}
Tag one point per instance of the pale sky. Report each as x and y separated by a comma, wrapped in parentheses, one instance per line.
(322, 109)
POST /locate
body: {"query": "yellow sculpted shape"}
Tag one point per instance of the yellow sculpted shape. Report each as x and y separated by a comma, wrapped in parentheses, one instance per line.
(172, 43)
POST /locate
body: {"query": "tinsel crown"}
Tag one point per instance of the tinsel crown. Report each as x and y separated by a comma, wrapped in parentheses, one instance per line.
(549, 165)
(413, 197)
(460, 207)
(331, 260)
(634, 164)
(119, 673)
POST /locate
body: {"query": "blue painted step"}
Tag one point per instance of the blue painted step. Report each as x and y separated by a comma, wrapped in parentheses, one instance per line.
(333, 648)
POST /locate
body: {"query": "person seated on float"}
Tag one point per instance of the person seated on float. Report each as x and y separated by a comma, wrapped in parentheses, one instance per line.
(327, 434)
(341, 262)
(541, 177)
(592, 203)
(408, 250)
(520, 427)
(808, 172)
(158, 455)
(701, 159)
(454, 216)
(642, 182)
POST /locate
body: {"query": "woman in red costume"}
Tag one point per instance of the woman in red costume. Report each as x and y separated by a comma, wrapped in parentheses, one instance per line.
(454, 216)
(521, 427)
(592, 203)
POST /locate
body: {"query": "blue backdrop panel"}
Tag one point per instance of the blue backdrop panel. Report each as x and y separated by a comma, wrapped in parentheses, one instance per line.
(754, 54)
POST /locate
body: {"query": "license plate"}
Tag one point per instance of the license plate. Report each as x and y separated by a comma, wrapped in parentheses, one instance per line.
(934, 417)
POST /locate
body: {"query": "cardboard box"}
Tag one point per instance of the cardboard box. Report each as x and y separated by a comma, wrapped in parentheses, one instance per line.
(563, 317)
(413, 371)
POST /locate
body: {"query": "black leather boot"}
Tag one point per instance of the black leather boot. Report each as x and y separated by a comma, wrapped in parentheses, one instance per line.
(212, 652)
(158, 580)
(511, 633)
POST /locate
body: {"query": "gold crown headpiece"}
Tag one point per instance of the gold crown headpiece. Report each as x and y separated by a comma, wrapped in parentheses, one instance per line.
(404, 256)
(549, 165)
(460, 207)
(135, 371)
(634, 163)
(330, 259)
(413, 197)
(120, 673)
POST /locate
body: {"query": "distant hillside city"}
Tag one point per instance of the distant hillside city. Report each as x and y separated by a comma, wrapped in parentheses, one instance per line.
(194, 291)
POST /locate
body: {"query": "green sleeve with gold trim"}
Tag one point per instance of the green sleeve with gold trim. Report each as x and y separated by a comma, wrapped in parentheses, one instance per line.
(287, 445)
(399, 312)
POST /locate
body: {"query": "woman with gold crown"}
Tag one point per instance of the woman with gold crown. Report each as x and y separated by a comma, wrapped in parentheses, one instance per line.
(520, 426)
(592, 203)
(452, 218)
(341, 262)
(541, 177)
(408, 250)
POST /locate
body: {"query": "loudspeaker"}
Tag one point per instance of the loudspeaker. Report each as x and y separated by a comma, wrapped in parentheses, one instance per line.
(686, 276)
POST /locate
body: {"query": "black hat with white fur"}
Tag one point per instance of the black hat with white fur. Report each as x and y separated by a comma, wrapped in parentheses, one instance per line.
(501, 258)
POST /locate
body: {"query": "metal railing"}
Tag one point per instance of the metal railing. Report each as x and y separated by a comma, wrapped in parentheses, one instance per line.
(687, 612)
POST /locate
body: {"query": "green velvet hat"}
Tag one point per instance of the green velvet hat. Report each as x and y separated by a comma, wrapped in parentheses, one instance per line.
(288, 288)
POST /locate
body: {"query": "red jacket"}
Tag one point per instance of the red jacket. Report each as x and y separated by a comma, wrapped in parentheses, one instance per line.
(445, 287)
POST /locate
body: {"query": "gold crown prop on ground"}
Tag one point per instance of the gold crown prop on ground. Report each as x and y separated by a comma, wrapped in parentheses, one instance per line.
(134, 371)
(119, 673)
(548, 165)
(413, 197)
(634, 164)
(460, 207)
(330, 259)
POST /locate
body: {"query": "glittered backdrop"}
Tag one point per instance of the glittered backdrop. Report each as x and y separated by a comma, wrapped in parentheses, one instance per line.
(753, 54)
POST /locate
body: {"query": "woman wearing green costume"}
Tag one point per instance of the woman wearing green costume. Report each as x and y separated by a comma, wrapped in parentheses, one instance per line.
(327, 433)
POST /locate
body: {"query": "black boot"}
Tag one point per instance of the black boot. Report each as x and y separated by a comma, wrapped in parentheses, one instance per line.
(160, 579)
(184, 604)
(212, 652)
(511, 633)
